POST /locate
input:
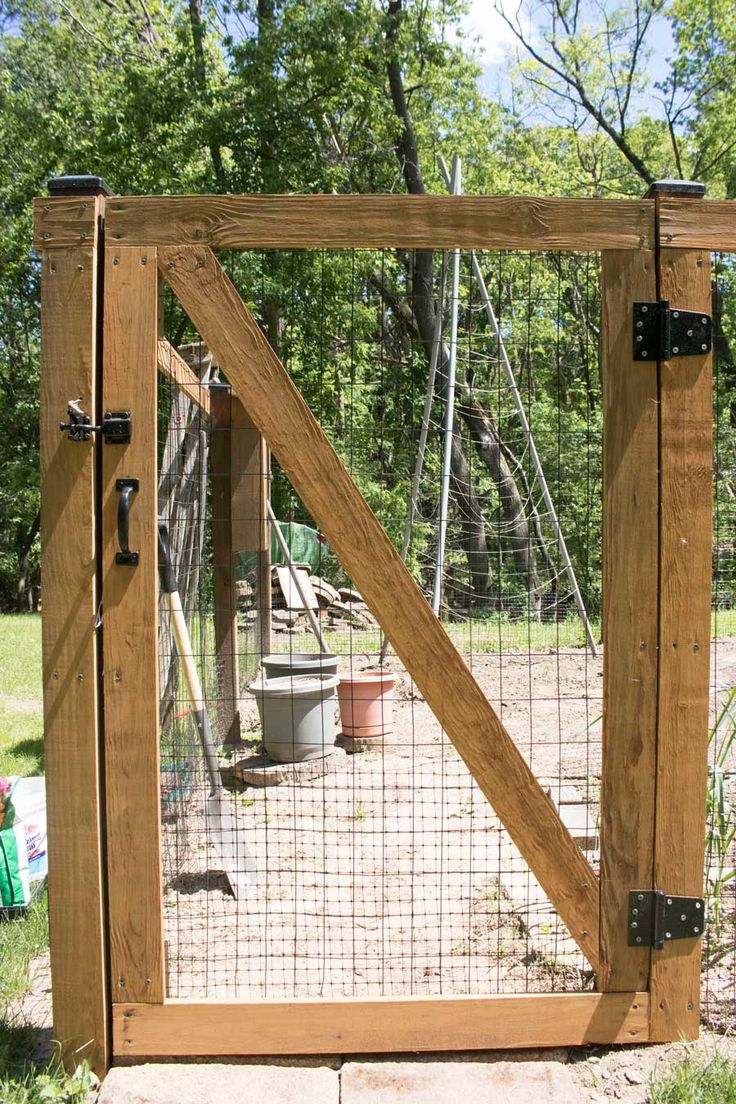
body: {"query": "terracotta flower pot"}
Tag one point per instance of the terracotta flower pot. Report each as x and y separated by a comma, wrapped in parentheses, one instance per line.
(366, 703)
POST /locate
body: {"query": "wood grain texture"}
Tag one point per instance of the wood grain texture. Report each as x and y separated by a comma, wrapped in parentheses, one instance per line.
(698, 224)
(223, 569)
(373, 1026)
(250, 479)
(63, 222)
(370, 559)
(630, 615)
(171, 364)
(130, 633)
(381, 221)
(71, 722)
(684, 635)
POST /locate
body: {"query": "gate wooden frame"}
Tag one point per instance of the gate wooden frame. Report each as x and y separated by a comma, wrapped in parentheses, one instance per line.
(103, 259)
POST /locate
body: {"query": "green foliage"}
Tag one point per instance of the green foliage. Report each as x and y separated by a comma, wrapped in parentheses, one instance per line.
(21, 717)
(48, 1085)
(696, 1079)
(21, 940)
(721, 816)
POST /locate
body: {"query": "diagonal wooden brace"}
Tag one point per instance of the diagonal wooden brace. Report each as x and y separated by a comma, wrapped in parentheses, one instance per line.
(361, 544)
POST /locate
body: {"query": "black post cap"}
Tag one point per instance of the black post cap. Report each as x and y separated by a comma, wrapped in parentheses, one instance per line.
(689, 188)
(78, 185)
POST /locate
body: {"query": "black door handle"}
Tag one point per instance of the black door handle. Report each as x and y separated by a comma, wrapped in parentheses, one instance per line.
(127, 488)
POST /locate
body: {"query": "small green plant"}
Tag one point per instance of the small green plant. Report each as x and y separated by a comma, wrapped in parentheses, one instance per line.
(721, 823)
(465, 808)
(51, 1084)
(360, 811)
(696, 1079)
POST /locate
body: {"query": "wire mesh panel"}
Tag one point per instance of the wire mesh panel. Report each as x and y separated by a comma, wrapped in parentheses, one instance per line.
(719, 948)
(463, 395)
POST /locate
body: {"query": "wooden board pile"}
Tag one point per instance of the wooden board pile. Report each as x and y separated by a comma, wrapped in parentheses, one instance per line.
(336, 608)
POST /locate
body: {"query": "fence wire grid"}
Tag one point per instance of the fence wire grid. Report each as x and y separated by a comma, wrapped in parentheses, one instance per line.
(381, 867)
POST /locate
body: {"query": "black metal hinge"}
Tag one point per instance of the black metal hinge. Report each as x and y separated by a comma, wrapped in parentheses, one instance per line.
(655, 918)
(115, 429)
(661, 331)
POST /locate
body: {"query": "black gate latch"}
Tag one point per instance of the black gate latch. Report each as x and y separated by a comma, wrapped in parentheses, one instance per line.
(656, 917)
(661, 331)
(115, 429)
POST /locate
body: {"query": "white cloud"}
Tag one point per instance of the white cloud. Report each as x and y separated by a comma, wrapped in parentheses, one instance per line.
(495, 38)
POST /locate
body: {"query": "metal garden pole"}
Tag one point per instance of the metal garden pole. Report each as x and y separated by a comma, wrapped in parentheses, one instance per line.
(526, 428)
(449, 411)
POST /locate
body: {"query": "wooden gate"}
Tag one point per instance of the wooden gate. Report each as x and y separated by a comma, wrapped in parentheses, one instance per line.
(104, 260)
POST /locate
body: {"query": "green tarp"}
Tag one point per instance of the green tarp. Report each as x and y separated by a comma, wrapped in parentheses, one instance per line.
(304, 545)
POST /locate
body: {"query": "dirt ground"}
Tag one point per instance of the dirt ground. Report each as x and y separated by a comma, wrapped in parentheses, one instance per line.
(390, 874)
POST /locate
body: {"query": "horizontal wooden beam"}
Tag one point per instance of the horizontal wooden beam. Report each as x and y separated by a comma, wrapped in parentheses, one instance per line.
(370, 559)
(373, 222)
(373, 1026)
(698, 224)
(171, 364)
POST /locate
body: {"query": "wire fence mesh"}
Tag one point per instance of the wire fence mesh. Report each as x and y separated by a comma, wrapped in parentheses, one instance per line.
(719, 944)
(381, 868)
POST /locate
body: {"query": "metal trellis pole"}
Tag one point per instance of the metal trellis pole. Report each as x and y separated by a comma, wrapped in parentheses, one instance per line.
(449, 412)
(526, 428)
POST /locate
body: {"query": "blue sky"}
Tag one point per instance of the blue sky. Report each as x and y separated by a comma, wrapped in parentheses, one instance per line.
(497, 45)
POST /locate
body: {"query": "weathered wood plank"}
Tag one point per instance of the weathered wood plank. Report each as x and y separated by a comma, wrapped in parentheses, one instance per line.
(630, 615)
(684, 638)
(370, 559)
(130, 632)
(698, 224)
(250, 482)
(378, 221)
(63, 222)
(223, 569)
(69, 290)
(370, 1026)
(178, 371)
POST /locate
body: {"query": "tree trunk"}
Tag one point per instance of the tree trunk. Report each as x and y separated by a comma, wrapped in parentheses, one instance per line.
(485, 436)
(24, 590)
(423, 310)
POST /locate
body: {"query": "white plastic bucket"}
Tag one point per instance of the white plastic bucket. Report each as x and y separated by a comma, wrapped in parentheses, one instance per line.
(297, 716)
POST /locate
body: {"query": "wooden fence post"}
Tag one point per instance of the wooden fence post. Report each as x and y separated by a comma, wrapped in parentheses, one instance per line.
(70, 322)
(686, 475)
(130, 631)
(226, 612)
(251, 463)
(630, 628)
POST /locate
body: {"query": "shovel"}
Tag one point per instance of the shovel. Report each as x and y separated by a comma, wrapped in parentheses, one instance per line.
(237, 861)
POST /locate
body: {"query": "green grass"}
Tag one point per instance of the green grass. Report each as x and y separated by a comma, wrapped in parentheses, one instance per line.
(21, 940)
(697, 1079)
(21, 716)
(32, 1086)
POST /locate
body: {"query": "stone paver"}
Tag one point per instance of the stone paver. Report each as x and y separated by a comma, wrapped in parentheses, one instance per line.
(220, 1083)
(450, 1082)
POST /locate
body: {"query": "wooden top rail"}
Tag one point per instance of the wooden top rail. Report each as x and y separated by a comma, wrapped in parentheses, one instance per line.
(389, 222)
(356, 221)
(698, 224)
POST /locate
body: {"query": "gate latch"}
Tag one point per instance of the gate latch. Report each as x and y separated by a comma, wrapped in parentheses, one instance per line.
(661, 331)
(115, 429)
(655, 918)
